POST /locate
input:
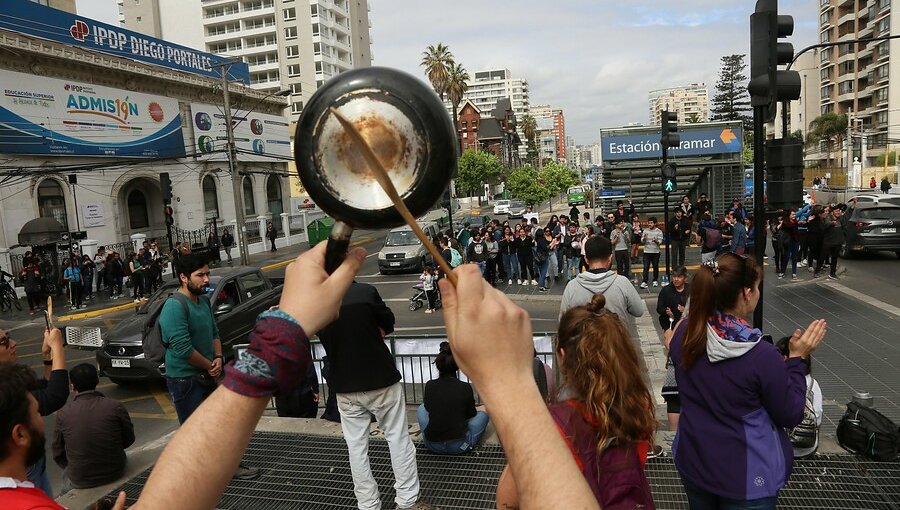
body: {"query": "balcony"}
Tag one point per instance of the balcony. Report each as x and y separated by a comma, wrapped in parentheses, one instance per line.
(825, 5)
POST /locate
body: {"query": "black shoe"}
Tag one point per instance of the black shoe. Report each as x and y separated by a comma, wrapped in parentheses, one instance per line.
(245, 473)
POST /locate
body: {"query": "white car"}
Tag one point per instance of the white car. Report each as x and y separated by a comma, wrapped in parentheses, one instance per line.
(501, 207)
(877, 199)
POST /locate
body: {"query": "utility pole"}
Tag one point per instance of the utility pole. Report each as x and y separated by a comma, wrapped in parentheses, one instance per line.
(668, 138)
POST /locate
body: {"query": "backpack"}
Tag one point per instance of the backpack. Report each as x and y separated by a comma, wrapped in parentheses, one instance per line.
(540, 377)
(867, 432)
(713, 238)
(455, 258)
(151, 335)
(806, 434)
(614, 474)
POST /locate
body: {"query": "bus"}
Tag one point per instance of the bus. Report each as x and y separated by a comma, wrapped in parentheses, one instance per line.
(576, 195)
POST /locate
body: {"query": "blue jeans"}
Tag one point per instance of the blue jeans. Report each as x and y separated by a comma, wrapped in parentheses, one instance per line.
(481, 267)
(574, 266)
(187, 395)
(542, 272)
(791, 252)
(511, 264)
(553, 266)
(37, 474)
(700, 499)
(477, 425)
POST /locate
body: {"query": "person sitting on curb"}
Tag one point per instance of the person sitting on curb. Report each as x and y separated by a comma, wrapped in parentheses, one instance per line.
(449, 422)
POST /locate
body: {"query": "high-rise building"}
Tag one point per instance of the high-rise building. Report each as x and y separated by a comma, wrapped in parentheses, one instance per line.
(63, 5)
(558, 127)
(690, 102)
(854, 77)
(489, 86)
(289, 45)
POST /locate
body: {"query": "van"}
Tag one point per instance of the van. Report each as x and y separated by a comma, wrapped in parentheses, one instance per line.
(402, 250)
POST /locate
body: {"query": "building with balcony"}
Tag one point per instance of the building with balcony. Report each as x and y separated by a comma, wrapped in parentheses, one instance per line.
(288, 45)
(855, 78)
(551, 123)
(690, 102)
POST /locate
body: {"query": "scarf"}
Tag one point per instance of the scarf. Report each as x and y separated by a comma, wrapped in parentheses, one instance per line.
(732, 328)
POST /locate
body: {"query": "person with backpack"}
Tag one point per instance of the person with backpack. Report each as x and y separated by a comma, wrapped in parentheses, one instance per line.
(72, 280)
(193, 349)
(608, 416)
(805, 436)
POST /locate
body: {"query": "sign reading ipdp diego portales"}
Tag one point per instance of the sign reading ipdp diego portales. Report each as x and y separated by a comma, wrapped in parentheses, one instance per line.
(694, 142)
(33, 19)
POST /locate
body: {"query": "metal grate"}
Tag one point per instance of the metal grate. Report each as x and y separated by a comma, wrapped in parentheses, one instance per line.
(83, 336)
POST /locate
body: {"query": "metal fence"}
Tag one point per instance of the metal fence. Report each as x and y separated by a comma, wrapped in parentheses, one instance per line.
(121, 248)
(252, 232)
(296, 223)
(196, 238)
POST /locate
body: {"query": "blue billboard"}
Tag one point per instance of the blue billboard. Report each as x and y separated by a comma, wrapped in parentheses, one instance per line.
(699, 142)
(29, 18)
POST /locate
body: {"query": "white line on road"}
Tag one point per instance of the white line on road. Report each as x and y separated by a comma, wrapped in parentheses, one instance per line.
(395, 300)
(881, 305)
(401, 281)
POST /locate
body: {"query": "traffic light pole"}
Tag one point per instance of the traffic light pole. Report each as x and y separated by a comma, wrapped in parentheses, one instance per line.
(665, 157)
(759, 205)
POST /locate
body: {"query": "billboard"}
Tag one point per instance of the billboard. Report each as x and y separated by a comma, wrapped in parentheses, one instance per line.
(41, 115)
(30, 18)
(696, 142)
(257, 136)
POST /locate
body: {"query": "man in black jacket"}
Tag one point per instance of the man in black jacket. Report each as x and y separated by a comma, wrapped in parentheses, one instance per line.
(367, 382)
(833, 238)
(679, 230)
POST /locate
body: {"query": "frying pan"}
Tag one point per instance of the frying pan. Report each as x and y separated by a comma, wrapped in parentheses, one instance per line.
(407, 127)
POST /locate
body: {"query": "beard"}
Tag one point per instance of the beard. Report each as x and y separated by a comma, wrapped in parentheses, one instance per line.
(194, 289)
(36, 448)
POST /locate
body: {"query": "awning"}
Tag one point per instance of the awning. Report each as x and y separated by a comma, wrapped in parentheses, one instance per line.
(40, 232)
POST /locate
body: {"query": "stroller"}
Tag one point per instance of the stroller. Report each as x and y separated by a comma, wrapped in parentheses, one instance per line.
(419, 299)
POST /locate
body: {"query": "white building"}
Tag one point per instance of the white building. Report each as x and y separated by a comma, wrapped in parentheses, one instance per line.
(289, 45)
(94, 137)
(690, 102)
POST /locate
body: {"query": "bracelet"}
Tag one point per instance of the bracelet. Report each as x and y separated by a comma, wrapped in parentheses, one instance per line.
(48, 362)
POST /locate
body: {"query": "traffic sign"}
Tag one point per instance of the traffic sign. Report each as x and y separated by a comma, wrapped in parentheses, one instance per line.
(611, 192)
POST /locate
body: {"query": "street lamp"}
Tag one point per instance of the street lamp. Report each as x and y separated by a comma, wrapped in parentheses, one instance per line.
(231, 153)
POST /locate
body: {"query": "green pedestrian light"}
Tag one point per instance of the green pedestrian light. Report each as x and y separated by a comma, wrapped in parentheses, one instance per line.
(669, 181)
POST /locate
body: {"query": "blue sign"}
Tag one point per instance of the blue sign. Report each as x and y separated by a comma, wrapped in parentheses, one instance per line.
(612, 192)
(698, 142)
(30, 18)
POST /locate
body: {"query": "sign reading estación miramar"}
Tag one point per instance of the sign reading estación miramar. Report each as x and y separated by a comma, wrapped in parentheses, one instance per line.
(643, 143)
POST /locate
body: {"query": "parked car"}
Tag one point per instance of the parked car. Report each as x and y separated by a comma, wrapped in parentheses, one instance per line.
(516, 209)
(878, 199)
(872, 227)
(402, 250)
(237, 294)
(474, 220)
(501, 206)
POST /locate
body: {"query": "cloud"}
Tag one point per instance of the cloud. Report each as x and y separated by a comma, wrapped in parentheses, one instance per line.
(595, 59)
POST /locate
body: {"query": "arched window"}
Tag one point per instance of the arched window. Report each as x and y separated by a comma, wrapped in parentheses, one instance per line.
(52, 202)
(273, 196)
(210, 198)
(249, 200)
(138, 216)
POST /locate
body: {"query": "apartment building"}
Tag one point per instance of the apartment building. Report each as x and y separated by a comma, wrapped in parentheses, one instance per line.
(552, 122)
(63, 5)
(690, 102)
(289, 45)
(855, 78)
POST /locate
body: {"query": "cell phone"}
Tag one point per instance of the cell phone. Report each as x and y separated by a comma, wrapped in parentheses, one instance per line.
(47, 319)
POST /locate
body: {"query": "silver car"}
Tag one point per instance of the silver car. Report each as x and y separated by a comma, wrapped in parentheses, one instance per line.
(516, 209)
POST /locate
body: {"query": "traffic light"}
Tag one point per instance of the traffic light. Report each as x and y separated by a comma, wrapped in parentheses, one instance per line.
(670, 137)
(767, 84)
(170, 216)
(784, 173)
(669, 179)
(165, 186)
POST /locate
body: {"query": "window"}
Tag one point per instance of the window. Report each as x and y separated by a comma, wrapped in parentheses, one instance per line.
(293, 70)
(52, 202)
(884, 26)
(210, 198)
(315, 29)
(249, 201)
(826, 91)
(296, 89)
(137, 18)
(292, 51)
(138, 216)
(881, 95)
(318, 67)
(229, 295)
(297, 107)
(317, 48)
(289, 14)
(845, 68)
(290, 33)
(845, 87)
(823, 37)
(314, 9)
(273, 190)
(252, 284)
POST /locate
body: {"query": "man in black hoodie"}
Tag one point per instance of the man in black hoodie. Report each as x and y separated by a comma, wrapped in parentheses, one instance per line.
(833, 238)
(679, 230)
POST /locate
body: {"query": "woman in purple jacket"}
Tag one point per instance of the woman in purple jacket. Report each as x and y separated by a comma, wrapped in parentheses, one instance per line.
(737, 392)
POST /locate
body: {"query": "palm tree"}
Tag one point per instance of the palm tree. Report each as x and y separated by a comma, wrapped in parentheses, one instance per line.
(830, 128)
(456, 89)
(437, 61)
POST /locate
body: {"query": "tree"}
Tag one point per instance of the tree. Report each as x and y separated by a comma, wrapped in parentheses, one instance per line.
(529, 129)
(557, 178)
(457, 85)
(891, 159)
(829, 128)
(523, 183)
(731, 100)
(437, 61)
(692, 118)
(477, 169)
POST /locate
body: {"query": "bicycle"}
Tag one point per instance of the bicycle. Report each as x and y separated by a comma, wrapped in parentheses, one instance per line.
(8, 296)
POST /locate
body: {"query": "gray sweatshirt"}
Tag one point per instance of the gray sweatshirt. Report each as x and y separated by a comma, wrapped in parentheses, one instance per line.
(650, 235)
(621, 239)
(621, 296)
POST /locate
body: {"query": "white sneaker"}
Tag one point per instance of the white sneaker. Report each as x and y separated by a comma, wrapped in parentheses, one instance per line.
(509, 282)
(655, 283)
(525, 283)
(643, 285)
(534, 282)
(801, 264)
(137, 300)
(518, 281)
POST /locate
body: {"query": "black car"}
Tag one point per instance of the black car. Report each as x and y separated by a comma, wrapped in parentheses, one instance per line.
(237, 294)
(872, 227)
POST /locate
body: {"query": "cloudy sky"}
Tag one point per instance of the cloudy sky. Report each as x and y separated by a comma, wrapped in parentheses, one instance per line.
(596, 59)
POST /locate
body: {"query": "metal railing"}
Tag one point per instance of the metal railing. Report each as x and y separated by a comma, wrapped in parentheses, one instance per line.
(121, 248)
(252, 231)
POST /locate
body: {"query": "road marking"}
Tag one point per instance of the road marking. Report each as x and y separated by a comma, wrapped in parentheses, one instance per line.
(97, 313)
(395, 300)
(372, 254)
(162, 398)
(400, 281)
(869, 300)
(153, 416)
(284, 263)
(419, 328)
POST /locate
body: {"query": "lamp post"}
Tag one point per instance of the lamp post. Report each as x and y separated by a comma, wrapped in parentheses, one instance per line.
(232, 158)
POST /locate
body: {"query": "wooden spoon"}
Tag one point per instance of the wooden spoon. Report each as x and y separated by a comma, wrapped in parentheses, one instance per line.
(384, 181)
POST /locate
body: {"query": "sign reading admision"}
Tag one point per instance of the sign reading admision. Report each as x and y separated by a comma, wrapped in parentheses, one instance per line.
(693, 143)
(257, 136)
(41, 115)
(30, 18)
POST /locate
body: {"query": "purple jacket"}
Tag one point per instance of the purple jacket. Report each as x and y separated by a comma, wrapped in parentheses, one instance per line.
(736, 402)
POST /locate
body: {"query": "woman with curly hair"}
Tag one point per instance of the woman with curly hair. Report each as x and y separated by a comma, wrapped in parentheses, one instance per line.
(607, 413)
